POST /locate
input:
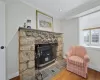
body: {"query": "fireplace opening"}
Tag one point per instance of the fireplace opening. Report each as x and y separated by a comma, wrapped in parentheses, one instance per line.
(45, 54)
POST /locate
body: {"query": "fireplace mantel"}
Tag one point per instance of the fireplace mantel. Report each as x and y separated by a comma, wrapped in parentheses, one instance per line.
(27, 40)
(37, 30)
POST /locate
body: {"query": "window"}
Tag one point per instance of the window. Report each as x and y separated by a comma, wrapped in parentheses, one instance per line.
(92, 36)
(95, 36)
(86, 37)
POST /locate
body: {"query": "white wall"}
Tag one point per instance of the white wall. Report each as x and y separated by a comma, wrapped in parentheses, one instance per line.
(90, 21)
(16, 14)
(70, 30)
(94, 55)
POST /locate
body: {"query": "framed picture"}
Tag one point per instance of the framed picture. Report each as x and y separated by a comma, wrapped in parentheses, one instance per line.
(44, 21)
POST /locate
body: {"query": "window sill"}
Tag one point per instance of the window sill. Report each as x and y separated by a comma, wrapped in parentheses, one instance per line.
(92, 47)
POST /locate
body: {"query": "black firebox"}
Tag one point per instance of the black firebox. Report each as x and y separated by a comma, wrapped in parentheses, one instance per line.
(45, 54)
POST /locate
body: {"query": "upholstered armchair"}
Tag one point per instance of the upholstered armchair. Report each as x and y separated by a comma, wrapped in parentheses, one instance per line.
(77, 60)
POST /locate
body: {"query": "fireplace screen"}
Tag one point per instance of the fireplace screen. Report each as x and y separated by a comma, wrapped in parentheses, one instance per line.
(45, 54)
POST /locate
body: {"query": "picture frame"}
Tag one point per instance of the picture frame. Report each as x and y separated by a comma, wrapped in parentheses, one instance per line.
(44, 21)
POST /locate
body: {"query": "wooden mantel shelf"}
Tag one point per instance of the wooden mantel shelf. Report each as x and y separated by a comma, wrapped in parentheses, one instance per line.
(37, 30)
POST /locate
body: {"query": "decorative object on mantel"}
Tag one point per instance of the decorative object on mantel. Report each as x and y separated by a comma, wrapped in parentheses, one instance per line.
(28, 24)
(25, 26)
(28, 38)
(44, 21)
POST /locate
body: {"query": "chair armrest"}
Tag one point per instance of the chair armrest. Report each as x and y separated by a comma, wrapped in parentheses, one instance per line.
(67, 55)
(86, 58)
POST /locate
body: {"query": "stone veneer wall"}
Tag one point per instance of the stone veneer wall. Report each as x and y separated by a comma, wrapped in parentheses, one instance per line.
(27, 40)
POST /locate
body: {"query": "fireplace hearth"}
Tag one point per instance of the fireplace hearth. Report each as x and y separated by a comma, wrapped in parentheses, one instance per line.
(45, 54)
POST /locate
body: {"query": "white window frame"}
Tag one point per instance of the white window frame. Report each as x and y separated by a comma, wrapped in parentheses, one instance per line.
(90, 32)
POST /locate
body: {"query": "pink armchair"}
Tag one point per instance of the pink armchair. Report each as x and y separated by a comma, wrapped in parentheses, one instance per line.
(77, 60)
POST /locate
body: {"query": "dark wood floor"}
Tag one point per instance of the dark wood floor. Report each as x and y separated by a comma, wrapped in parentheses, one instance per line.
(16, 78)
(66, 75)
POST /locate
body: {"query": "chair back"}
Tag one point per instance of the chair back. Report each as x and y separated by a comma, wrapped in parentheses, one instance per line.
(78, 51)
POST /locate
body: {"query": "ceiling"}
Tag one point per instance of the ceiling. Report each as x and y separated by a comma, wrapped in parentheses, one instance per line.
(56, 8)
(61, 9)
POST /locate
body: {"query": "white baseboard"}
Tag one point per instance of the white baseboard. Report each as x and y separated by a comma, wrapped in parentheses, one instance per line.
(94, 68)
(13, 75)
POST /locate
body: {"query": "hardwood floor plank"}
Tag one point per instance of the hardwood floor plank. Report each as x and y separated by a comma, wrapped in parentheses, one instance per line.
(91, 74)
(98, 76)
(62, 75)
(16, 78)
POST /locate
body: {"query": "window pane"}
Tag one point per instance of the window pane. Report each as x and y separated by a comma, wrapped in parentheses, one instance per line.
(86, 37)
(95, 36)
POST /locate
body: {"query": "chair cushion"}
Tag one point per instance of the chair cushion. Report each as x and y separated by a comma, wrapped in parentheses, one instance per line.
(76, 60)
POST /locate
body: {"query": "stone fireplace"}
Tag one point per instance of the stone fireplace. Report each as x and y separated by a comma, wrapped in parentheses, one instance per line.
(49, 45)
